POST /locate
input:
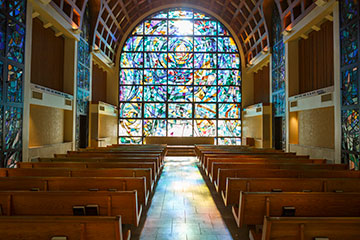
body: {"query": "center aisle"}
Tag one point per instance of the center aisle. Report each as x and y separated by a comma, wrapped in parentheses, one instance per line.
(182, 207)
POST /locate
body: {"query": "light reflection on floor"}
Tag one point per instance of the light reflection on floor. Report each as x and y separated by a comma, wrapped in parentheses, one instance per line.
(182, 207)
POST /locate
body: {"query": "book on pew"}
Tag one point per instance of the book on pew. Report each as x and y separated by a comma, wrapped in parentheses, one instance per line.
(59, 238)
(288, 211)
(92, 210)
(93, 189)
(79, 210)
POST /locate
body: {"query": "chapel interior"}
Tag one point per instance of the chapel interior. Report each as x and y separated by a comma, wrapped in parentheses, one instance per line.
(166, 119)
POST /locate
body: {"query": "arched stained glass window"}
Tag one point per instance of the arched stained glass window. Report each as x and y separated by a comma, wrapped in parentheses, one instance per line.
(180, 75)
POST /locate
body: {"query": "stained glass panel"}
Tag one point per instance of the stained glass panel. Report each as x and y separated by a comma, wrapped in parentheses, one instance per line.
(1, 128)
(3, 24)
(177, 75)
(131, 76)
(130, 127)
(155, 93)
(180, 93)
(350, 130)
(349, 10)
(205, 128)
(180, 110)
(204, 27)
(229, 141)
(349, 44)
(130, 110)
(205, 44)
(134, 44)
(205, 77)
(14, 84)
(205, 94)
(13, 128)
(12, 158)
(205, 110)
(156, 44)
(180, 77)
(16, 42)
(154, 127)
(155, 110)
(16, 9)
(180, 128)
(155, 76)
(181, 60)
(205, 60)
(1, 82)
(350, 87)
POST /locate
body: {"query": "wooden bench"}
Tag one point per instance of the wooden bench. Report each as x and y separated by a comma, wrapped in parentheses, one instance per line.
(223, 174)
(272, 165)
(235, 185)
(77, 172)
(72, 227)
(27, 203)
(333, 228)
(253, 206)
(78, 184)
(77, 164)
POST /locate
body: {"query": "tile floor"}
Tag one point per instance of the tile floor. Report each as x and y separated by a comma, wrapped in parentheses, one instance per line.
(183, 207)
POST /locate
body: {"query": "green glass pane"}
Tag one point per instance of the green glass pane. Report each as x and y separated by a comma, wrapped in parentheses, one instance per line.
(155, 93)
(205, 110)
(229, 128)
(181, 60)
(155, 60)
(229, 94)
(205, 94)
(205, 128)
(229, 77)
(130, 127)
(155, 76)
(205, 44)
(181, 44)
(155, 27)
(130, 110)
(130, 140)
(180, 110)
(154, 127)
(229, 111)
(180, 77)
(180, 128)
(205, 77)
(180, 93)
(155, 110)
(156, 44)
(131, 76)
(204, 27)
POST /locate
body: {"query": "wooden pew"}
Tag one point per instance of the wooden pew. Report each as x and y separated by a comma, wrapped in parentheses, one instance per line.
(272, 165)
(253, 206)
(26, 203)
(223, 174)
(78, 184)
(75, 164)
(235, 185)
(77, 172)
(334, 228)
(73, 227)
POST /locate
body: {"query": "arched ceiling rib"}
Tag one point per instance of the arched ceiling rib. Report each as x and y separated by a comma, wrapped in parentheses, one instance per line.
(246, 17)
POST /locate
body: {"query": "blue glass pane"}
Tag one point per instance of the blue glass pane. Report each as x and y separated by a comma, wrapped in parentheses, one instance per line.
(131, 76)
(1, 81)
(204, 27)
(181, 60)
(229, 111)
(205, 94)
(229, 77)
(181, 44)
(205, 44)
(183, 14)
(226, 44)
(3, 24)
(14, 84)
(13, 128)
(205, 77)
(130, 140)
(16, 42)
(350, 130)
(156, 44)
(155, 93)
(229, 94)
(130, 110)
(350, 87)
(16, 9)
(180, 110)
(205, 110)
(229, 141)
(134, 44)
(156, 60)
(180, 77)
(155, 110)
(205, 60)
(130, 93)
(229, 128)
(155, 27)
(155, 76)
(180, 93)
(162, 14)
(349, 44)
(229, 61)
(222, 30)
(349, 10)
(154, 127)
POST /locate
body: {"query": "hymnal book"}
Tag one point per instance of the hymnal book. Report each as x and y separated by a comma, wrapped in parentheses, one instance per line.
(288, 211)
(78, 210)
(276, 190)
(93, 189)
(338, 191)
(92, 210)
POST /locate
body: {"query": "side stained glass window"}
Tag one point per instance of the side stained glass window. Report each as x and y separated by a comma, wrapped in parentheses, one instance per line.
(180, 75)
(350, 80)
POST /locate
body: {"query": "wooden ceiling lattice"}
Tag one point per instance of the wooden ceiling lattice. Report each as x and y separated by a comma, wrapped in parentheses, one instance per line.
(71, 10)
